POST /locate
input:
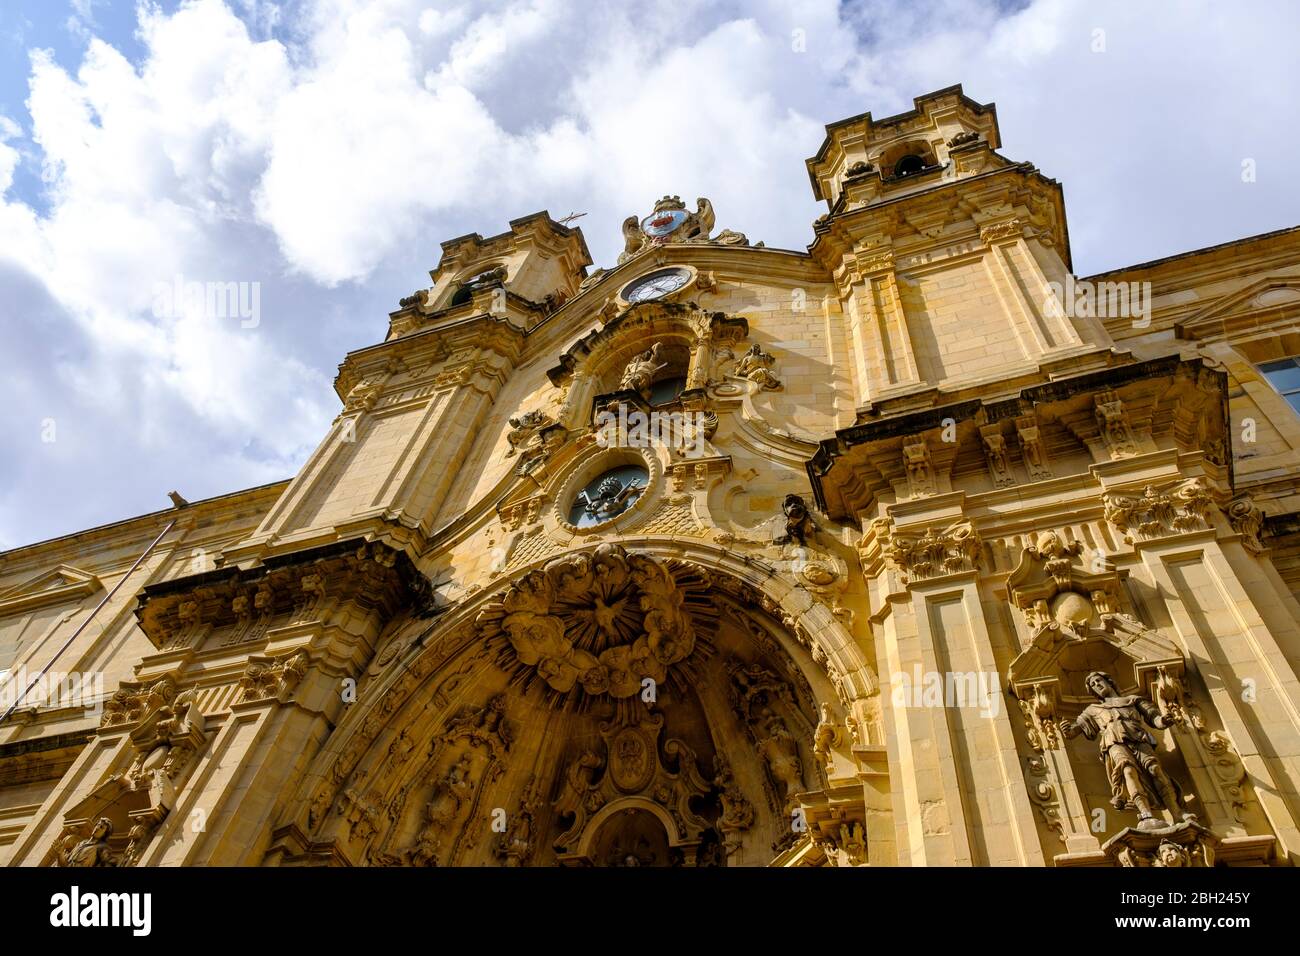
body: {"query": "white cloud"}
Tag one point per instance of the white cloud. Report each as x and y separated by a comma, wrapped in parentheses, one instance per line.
(323, 149)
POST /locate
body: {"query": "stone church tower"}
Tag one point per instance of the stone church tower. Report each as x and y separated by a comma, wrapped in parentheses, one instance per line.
(908, 549)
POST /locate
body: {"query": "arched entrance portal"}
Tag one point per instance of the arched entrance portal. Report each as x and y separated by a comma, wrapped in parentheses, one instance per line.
(605, 708)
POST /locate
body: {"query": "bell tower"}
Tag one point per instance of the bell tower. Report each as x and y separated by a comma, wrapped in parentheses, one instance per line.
(946, 255)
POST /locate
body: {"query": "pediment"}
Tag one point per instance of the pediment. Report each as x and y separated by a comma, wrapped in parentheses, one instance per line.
(1121, 646)
(61, 585)
(1259, 304)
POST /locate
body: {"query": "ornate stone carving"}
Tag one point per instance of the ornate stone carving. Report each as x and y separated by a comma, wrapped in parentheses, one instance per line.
(135, 701)
(363, 396)
(932, 553)
(525, 429)
(1186, 844)
(448, 803)
(1031, 448)
(252, 617)
(1137, 780)
(486, 726)
(1044, 796)
(1056, 555)
(169, 731)
(168, 743)
(613, 497)
(90, 851)
(1000, 231)
(600, 621)
(995, 452)
(799, 525)
(640, 372)
(756, 366)
(1176, 705)
(852, 842)
(672, 222)
(1248, 521)
(828, 736)
(371, 574)
(779, 749)
(756, 691)
(737, 812)
(1038, 704)
(920, 469)
(1116, 432)
(634, 766)
(266, 677)
(517, 843)
(1156, 513)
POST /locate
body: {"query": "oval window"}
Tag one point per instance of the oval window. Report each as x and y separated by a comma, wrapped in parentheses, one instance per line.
(608, 495)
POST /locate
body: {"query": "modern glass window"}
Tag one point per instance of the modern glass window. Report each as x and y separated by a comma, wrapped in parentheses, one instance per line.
(1284, 375)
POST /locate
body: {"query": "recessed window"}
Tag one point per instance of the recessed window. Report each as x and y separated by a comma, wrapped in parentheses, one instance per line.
(608, 495)
(1284, 375)
(667, 389)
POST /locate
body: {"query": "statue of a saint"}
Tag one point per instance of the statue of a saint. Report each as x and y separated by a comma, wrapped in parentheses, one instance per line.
(640, 372)
(1127, 748)
(756, 365)
(93, 850)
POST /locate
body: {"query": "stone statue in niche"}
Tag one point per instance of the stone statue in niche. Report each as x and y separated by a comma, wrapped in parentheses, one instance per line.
(457, 790)
(640, 372)
(517, 842)
(424, 851)
(756, 366)
(779, 749)
(93, 850)
(737, 814)
(1127, 749)
(439, 814)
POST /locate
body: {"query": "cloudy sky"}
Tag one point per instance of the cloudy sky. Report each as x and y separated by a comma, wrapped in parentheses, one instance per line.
(322, 149)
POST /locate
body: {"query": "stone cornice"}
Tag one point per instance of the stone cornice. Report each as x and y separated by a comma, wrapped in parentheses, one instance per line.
(955, 203)
(370, 575)
(842, 487)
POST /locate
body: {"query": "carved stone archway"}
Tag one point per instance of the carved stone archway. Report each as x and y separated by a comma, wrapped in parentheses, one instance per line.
(461, 750)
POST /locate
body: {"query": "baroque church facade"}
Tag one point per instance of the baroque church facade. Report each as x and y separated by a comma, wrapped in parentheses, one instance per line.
(909, 549)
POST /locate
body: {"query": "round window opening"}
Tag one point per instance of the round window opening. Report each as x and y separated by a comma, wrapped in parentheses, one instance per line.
(608, 495)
